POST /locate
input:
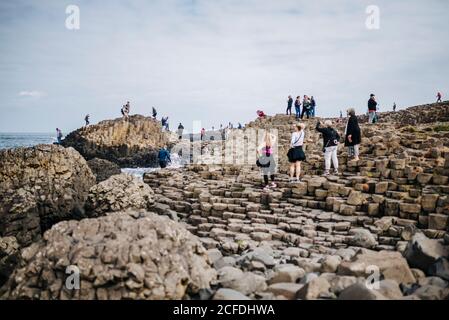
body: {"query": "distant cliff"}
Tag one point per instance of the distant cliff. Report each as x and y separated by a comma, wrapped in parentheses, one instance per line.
(132, 143)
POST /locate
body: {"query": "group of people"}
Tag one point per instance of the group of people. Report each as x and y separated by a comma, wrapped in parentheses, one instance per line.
(308, 107)
(296, 154)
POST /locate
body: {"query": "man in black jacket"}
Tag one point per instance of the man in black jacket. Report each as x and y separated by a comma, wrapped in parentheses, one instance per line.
(372, 108)
(331, 138)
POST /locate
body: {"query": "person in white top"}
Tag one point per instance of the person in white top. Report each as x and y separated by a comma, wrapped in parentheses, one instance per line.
(296, 152)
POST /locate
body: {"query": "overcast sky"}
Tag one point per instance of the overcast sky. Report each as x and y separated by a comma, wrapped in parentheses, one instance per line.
(214, 61)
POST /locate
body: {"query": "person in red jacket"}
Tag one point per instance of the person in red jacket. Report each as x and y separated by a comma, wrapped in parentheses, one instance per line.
(261, 114)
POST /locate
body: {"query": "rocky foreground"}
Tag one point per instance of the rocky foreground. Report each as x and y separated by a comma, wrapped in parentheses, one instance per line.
(209, 231)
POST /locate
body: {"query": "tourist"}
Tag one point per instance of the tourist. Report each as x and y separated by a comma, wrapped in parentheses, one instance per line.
(331, 139)
(298, 107)
(261, 114)
(352, 135)
(240, 127)
(296, 153)
(154, 113)
(164, 157)
(59, 135)
(86, 119)
(394, 107)
(289, 105)
(266, 162)
(341, 116)
(439, 97)
(203, 133)
(180, 131)
(372, 108)
(167, 125)
(312, 107)
(305, 107)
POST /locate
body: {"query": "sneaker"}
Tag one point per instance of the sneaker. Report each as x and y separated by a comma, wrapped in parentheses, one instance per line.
(336, 172)
(326, 173)
(267, 188)
(273, 185)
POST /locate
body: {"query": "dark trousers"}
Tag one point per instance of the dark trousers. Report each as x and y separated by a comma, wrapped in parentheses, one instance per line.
(305, 111)
(265, 178)
(163, 164)
(289, 110)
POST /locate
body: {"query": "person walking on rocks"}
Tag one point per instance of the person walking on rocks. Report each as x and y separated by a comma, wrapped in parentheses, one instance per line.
(266, 162)
(154, 113)
(289, 105)
(298, 107)
(372, 108)
(180, 131)
(394, 107)
(439, 97)
(296, 153)
(331, 139)
(352, 135)
(86, 119)
(59, 135)
(164, 157)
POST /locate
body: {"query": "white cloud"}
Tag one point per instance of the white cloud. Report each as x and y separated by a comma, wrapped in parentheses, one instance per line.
(32, 94)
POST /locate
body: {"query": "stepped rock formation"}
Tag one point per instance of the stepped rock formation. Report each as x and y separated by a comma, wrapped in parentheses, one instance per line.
(132, 143)
(118, 193)
(125, 255)
(41, 186)
(309, 240)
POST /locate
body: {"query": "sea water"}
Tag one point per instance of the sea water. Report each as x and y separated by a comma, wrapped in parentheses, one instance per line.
(17, 140)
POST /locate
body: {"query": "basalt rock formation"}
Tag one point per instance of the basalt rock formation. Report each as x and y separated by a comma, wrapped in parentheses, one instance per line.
(321, 237)
(118, 193)
(125, 255)
(103, 169)
(41, 186)
(132, 143)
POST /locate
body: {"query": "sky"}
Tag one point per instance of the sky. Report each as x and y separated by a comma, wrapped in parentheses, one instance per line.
(214, 61)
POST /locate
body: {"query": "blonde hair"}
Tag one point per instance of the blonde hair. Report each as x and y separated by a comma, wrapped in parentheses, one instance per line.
(328, 123)
(351, 111)
(300, 126)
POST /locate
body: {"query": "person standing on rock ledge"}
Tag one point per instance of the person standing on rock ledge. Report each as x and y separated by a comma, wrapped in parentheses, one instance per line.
(331, 139)
(164, 157)
(312, 106)
(180, 130)
(59, 135)
(439, 97)
(298, 107)
(296, 153)
(372, 108)
(352, 135)
(86, 118)
(289, 105)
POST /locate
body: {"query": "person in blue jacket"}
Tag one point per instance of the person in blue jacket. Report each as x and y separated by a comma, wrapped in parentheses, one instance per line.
(164, 157)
